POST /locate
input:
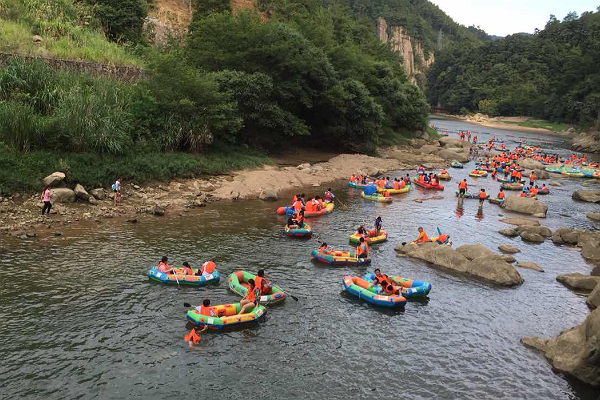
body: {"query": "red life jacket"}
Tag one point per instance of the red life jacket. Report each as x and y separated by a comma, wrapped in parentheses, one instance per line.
(208, 267)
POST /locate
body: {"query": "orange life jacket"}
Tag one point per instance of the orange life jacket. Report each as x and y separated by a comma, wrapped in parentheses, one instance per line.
(522, 194)
(533, 191)
(208, 267)
(259, 282)
(363, 248)
(482, 195)
(163, 267)
(309, 206)
(383, 280)
(532, 177)
(402, 184)
(297, 205)
(462, 185)
(187, 270)
(396, 185)
(501, 195)
(253, 294)
(207, 311)
(422, 237)
(442, 238)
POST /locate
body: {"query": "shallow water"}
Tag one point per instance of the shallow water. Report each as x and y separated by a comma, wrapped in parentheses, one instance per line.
(80, 319)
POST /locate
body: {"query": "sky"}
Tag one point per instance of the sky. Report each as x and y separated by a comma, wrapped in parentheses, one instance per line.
(505, 17)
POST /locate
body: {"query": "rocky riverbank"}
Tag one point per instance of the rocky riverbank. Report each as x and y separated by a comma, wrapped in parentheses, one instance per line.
(20, 214)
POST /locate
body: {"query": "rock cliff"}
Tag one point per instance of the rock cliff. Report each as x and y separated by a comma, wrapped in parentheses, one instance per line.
(413, 55)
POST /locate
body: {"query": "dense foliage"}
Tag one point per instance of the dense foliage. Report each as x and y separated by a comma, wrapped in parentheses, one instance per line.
(553, 74)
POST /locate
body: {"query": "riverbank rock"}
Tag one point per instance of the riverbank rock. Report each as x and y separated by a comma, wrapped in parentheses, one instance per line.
(529, 163)
(579, 281)
(508, 258)
(567, 235)
(485, 264)
(540, 230)
(530, 265)
(586, 142)
(63, 195)
(525, 205)
(81, 193)
(541, 174)
(520, 221)
(509, 232)
(99, 194)
(589, 196)
(554, 183)
(54, 179)
(529, 236)
(452, 155)
(451, 142)
(593, 216)
(508, 248)
(593, 300)
(268, 195)
(575, 351)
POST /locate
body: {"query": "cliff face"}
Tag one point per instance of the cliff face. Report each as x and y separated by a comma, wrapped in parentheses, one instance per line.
(413, 55)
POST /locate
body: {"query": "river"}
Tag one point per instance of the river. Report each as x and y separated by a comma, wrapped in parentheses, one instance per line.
(81, 320)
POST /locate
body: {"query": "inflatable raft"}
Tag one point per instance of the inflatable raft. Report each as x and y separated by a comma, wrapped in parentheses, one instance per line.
(358, 185)
(190, 280)
(238, 283)
(372, 239)
(359, 287)
(335, 257)
(305, 231)
(456, 164)
(444, 177)
(405, 189)
(472, 196)
(478, 174)
(496, 201)
(425, 185)
(413, 288)
(226, 316)
(544, 191)
(376, 197)
(307, 214)
(512, 186)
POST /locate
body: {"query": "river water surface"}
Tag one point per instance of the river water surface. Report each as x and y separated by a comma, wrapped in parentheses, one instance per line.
(79, 318)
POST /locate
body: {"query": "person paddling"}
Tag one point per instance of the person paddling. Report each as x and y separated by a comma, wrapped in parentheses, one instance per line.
(362, 251)
(163, 265)
(263, 285)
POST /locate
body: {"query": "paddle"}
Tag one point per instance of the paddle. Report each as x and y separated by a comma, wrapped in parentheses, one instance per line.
(175, 275)
(344, 207)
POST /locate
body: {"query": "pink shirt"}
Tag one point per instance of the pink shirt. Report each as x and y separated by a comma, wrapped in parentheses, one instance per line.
(46, 195)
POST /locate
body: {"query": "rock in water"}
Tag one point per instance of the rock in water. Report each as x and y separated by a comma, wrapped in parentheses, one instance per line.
(555, 183)
(579, 281)
(530, 265)
(520, 221)
(593, 300)
(508, 248)
(593, 216)
(540, 230)
(590, 196)
(508, 258)
(268, 195)
(529, 163)
(53, 180)
(525, 205)
(81, 193)
(575, 351)
(532, 237)
(62, 195)
(508, 232)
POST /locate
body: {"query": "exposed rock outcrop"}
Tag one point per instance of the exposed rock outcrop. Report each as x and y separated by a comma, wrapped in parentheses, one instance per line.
(579, 281)
(54, 179)
(589, 196)
(525, 205)
(587, 142)
(593, 300)
(81, 193)
(475, 260)
(575, 351)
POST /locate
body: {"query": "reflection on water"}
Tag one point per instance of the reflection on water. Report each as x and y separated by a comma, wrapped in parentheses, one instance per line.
(80, 319)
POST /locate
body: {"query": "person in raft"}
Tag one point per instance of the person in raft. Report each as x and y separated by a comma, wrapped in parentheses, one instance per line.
(328, 196)
(46, 193)
(206, 309)
(421, 170)
(378, 224)
(187, 270)
(163, 265)
(251, 298)
(482, 196)
(207, 268)
(501, 194)
(462, 188)
(263, 285)
(422, 236)
(300, 219)
(323, 250)
(386, 283)
(362, 251)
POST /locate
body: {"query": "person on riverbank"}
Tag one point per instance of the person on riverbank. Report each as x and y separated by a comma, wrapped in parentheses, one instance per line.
(362, 250)
(422, 236)
(118, 200)
(46, 199)
(251, 299)
(532, 178)
(462, 188)
(163, 265)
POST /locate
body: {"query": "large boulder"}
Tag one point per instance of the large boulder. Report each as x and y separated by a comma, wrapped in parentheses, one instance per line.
(575, 351)
(594, 216)
(451, 155)
(593, 300)
(268, 195)
(532, 237)
(508, 248)
(53, 180)
(99, 194)
(528, 163)
(451, 143)
(62, 195)
(81, 193)
(486, 264)
(530, 265)
(473, 251)
(590, 251)
(590, 196)
(541, 174)
(579, 281)
(429, 148)
(525, 205)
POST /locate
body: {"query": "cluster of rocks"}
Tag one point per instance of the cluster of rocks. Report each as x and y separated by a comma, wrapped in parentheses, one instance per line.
(473, 259)
(588, 196)
(587, 241)
(448, 149)
(62, 194)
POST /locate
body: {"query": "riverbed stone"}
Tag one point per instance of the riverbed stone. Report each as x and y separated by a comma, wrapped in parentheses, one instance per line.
(508, 258)
(541, 174)
(81, 193)
(268, 195)
(540, 230)
(589, 196)
(579, 281)
(492, 268)
(525, 205)
(99, 194)
(593, 300)
(62, 195)
(452, 154)
(509, 232)
(590, 250)
(532, 237)
(530, 265)
(555, 183)
(593, 216)
(54, 179)
(576, 351)
(529, 163)
(473, 251)
(508, 248)
(520, 221)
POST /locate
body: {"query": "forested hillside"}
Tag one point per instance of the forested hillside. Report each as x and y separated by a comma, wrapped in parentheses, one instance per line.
(553, 74)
